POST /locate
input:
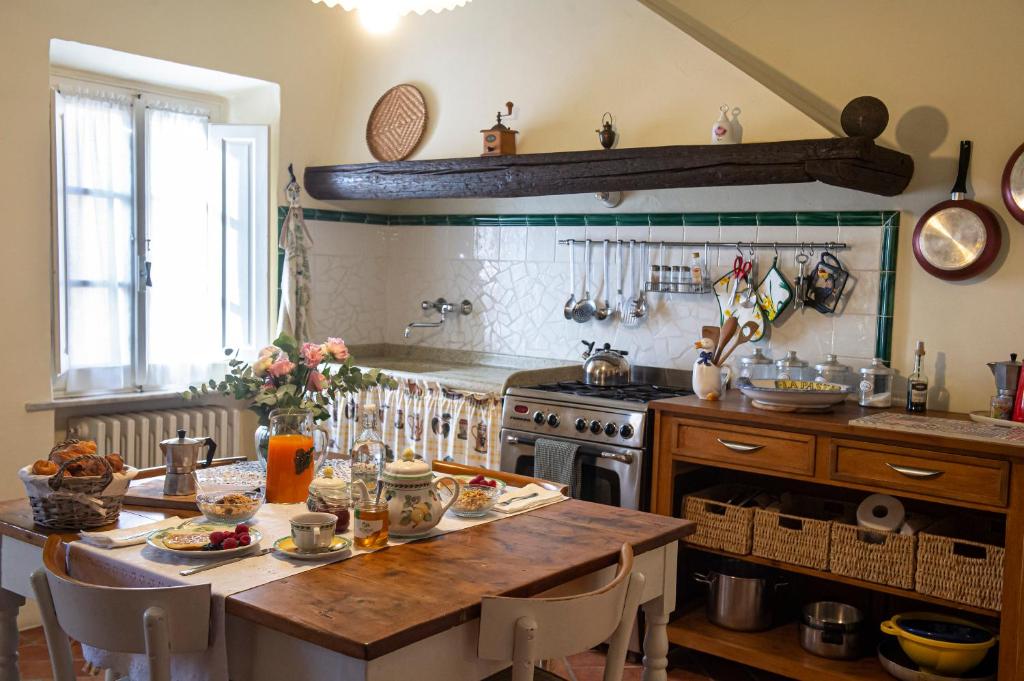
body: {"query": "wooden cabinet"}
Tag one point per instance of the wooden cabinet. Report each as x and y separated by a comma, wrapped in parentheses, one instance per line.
(943, 477)
(823, 454)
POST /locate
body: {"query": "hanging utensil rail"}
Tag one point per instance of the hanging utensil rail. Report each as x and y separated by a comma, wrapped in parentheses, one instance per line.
(811, 245)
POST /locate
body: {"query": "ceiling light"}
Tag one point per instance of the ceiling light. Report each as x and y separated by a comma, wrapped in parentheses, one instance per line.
(380, 16)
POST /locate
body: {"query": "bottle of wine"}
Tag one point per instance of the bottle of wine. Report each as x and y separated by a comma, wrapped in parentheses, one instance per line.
(917, 384)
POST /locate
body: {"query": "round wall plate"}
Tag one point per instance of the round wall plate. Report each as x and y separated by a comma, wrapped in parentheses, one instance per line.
(397, 123)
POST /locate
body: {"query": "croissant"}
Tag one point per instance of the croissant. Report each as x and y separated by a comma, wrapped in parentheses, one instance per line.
(44, 467)
(70, 449)
(115, 461)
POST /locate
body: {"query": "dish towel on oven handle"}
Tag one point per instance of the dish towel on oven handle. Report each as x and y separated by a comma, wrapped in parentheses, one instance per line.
(557, 461)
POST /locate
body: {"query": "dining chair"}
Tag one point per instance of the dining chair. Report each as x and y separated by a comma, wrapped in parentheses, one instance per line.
(514, 479)
(528, 630)
(151, 621)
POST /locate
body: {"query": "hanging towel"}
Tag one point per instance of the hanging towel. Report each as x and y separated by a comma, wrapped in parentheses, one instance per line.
(557, 461)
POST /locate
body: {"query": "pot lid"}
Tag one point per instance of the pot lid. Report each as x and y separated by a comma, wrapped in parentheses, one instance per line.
(790, 361)
(877, 368)
(182, 440)
(831, 363)
(408, 466)
(757, 357)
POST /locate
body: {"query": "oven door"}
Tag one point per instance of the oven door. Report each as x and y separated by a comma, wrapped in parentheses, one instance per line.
(608, 474)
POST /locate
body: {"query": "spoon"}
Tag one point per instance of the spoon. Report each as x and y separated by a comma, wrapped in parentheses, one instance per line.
(571, 303)
(604, 311)
(640, 309)
(629, 318)
(622, 276)
(585, 308)
(746, 332)
(728, 331)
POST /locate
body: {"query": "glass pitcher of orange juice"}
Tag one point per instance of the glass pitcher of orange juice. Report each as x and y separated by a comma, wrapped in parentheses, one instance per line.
(292, 456)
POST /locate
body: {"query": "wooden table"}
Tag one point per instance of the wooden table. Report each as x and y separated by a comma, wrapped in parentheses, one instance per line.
(408, 609)
(823, 455)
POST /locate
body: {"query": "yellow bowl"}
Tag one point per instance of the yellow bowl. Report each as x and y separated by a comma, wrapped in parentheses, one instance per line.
(938, 657)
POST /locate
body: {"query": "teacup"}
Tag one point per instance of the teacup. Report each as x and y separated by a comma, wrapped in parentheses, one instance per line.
(313, 531)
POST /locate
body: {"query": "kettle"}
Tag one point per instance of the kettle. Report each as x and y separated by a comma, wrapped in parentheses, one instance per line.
(605, 366)
(181, 455)
(1007, 375)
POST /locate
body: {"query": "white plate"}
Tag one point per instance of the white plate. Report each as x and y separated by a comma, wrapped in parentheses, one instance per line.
(766, 396)
(286, 547)
(980, 417)
(156, 541)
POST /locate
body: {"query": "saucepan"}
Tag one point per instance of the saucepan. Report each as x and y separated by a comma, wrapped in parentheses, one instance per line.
(741, 596)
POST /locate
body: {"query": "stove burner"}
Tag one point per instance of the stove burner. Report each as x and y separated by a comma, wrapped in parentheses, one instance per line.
(633, 392)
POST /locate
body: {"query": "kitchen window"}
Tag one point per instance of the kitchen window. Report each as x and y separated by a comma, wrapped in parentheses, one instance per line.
(161, 256)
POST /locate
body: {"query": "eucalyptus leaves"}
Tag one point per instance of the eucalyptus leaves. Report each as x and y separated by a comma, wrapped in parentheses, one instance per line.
(287, 375)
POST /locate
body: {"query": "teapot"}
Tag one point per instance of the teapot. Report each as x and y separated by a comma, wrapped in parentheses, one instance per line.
(181, 456)
(605, 366)
(412, 494)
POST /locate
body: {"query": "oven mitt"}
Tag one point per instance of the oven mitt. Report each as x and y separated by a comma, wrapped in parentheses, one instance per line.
(774, 293)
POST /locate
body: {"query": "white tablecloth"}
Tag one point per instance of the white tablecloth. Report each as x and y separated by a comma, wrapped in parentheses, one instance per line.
(143, 565)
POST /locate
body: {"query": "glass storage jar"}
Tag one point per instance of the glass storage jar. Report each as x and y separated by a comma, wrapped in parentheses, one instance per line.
(757, 365)
(875, 388)
(832, 371)
(791, 367)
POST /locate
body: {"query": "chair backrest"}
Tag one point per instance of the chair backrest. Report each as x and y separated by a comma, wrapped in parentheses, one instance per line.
(111, 618)
(526, 630)
(514, 479)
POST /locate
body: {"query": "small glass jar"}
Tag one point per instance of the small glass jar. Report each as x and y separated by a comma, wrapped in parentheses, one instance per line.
(685, 280)
(1001, 406)
(675, 279)
(791, 367)
(832, 371)
(875, 388)
(655, 277)
(371, 526)
(757, 365)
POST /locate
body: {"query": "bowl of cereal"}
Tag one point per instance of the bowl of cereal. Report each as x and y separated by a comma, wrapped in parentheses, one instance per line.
(475, 500)
(230, 500)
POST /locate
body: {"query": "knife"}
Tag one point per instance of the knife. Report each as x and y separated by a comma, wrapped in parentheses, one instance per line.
(210, 566)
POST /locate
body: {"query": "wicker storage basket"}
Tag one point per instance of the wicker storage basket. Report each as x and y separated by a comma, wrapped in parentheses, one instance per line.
(882, 557)
(720, 525)
(800, 535)
(963, 570)
(64, 502)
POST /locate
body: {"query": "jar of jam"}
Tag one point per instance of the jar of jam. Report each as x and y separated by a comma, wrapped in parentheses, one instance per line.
(328, 494)
(371, 524)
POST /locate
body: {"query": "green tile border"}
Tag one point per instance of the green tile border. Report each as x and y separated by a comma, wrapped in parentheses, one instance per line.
(888, 220)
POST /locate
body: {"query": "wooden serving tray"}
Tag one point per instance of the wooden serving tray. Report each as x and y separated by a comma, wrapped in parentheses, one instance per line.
(150, 492)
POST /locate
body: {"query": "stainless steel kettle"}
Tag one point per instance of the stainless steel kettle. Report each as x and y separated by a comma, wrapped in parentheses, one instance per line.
(181, 456)
(605, 366)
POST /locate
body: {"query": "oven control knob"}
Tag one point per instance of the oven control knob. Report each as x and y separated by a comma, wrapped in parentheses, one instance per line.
(538, 418)
(611, 429)
(595, 427)
(553, 420)
(626, 431)
(581, 425)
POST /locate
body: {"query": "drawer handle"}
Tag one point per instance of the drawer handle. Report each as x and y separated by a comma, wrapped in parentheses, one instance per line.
(919, 473)
(739, 446)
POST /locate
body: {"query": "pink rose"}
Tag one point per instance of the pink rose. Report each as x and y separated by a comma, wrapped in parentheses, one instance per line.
(336, 349)
(316, 382)
(282, 366)
(312, 355)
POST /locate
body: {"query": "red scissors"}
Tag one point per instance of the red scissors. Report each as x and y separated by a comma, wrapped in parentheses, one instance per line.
(741, 268)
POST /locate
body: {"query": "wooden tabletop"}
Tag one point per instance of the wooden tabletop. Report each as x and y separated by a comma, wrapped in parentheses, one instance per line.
(374, 604)
(736, 408)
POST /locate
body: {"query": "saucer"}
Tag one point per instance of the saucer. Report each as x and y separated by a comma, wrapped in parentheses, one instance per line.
(286, 546)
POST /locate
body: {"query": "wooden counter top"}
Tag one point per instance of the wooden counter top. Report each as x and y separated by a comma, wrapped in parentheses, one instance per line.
(736, 408)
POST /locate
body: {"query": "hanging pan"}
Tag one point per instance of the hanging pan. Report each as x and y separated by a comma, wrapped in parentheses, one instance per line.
(959, 238)
(1013, 184)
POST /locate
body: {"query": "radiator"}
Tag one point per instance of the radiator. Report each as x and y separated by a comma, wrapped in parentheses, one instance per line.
(136, 436)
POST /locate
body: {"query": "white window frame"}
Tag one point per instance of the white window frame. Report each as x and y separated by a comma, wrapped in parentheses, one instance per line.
(141, 96)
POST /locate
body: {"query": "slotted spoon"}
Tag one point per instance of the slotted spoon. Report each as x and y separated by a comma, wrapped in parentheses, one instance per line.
(571, 303)
(635, 307)
(586, 308)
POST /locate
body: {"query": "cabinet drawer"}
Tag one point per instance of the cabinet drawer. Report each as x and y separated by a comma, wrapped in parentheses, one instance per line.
(934, 474)
(741, 447)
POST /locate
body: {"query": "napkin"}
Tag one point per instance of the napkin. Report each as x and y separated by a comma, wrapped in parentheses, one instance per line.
(544, 497)
(128, 536)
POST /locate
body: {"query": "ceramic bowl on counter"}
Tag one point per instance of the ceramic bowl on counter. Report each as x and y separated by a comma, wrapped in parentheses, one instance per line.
(229, 498)
(899, 665)
(940, 644)
(789, 396)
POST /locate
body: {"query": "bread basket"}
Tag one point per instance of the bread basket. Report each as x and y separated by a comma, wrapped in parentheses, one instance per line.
(66, 502)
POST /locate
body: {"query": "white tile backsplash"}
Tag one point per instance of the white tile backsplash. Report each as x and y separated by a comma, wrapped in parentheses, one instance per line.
(369, 281)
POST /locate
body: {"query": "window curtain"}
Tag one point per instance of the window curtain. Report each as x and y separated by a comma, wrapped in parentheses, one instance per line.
(185, 302)
(97, 205)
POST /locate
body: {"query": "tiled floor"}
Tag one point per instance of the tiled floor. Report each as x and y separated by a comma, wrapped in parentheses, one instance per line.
(34, 660)
(685, 665)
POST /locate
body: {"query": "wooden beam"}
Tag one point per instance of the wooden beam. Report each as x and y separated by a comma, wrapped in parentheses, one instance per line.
(851, 162)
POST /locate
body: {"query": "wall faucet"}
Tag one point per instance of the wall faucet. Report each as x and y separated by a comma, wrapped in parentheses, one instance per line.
(442, 306)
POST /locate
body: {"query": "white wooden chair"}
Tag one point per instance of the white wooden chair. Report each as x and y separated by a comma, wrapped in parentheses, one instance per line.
(528, 630)
(151, 621)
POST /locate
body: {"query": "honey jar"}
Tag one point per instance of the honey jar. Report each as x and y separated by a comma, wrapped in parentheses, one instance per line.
(371, 524)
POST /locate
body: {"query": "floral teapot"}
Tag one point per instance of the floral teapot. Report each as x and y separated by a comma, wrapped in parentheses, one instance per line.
(412, 493)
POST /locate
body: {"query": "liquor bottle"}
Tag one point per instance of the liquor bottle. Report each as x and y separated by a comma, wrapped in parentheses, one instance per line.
(368, 451)
(917, 384)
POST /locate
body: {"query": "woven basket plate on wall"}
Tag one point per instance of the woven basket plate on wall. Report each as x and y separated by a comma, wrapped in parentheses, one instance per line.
(396, 123)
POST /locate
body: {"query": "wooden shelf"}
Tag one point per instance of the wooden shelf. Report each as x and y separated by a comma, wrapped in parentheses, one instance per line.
(853, 581)
(776, 650)
(850, 162)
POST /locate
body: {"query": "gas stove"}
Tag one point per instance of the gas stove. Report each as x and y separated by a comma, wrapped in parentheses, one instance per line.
(609, 424)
